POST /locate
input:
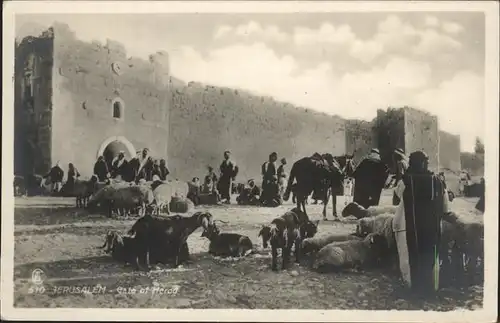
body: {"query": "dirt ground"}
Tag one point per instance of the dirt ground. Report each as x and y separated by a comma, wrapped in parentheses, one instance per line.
(62, 241)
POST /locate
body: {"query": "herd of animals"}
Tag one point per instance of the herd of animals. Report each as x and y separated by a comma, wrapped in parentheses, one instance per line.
(162, 239)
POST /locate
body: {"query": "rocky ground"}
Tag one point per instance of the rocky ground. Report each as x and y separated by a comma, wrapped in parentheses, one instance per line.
(62, 241)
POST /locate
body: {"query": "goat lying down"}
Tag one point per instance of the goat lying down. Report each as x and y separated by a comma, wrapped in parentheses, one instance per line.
(122, 248)
(227, 244)
(351, 254)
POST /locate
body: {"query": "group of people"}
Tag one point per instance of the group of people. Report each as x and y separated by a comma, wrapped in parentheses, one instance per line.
(220, 187)
(141, 167)
(56, 176)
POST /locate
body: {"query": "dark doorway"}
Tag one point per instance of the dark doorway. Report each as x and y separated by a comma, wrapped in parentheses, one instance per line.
(112, 150)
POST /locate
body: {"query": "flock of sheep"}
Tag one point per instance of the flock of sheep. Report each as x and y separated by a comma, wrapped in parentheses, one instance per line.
(163, 239)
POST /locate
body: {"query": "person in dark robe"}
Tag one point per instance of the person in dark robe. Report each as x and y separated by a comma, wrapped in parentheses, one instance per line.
(56, 176)
(282, 178)
(269, 177)
(369, 177)
(272, 197)
(101, 169)
(146, 164)
(163, 170)
(228, 173)
(119, 166)
(401, 166)
(480, 204)
(132, 168)
(417, 224)
(250, 195)
(73, 174)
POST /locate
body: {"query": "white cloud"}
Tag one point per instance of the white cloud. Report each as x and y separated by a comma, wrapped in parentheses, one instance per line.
(341, 38)
(392, 36)
(452, 27)
(459, 104)
(433, 42)
(431, 21)
(400, 82)
(252, 29)
(222, 31)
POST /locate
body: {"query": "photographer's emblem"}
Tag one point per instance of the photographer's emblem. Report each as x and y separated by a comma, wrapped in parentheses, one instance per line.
(37, 276)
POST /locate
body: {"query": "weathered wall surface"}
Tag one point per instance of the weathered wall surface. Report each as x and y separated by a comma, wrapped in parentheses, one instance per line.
(207, 120)
(85, 88)
(32, 105)
(421, 133)
(449, 151)
(389, 134)
(359, 138)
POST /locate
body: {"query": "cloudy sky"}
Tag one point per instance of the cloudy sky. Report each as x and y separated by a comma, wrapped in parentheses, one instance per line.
(349, 64)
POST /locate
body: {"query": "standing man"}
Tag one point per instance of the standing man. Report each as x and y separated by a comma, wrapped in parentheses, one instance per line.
(56, 175)
(101, 169)
(369, 177)
(146, 164)
(417, 224)
(282, 178)
(228, 172)
(401, 166)
(119, 166)
(269, 177)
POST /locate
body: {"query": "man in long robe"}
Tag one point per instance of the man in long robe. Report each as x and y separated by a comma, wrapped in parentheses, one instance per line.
(133, 167)
(73, 175)
(480, 204)
(282, 178)
(119, 166)
(101, 169)
(145, 170)
(417, 225)
(56, 176)
(269, 179)
(228, 172)
(401, 166)
(370, 177)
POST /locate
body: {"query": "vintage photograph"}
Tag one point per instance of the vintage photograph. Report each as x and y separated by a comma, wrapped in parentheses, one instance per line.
(328, 160)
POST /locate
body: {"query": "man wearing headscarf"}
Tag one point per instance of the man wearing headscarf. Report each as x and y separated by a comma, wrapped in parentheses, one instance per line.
(101, 169)
(73, 174)
(133, 167)
(145, 166)
(480, 204)
(56, 175)
(401, 166)
(119, 166)
(269, 178)
(282, 178)
(163, 169)
(370, 177)
(250, 194)
(417, 224)
(228, 173)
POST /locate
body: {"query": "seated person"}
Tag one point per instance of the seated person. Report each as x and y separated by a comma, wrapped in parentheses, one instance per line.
(250, 195)
(271, 196)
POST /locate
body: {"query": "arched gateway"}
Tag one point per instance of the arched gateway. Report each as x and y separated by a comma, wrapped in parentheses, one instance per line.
(113, 145)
